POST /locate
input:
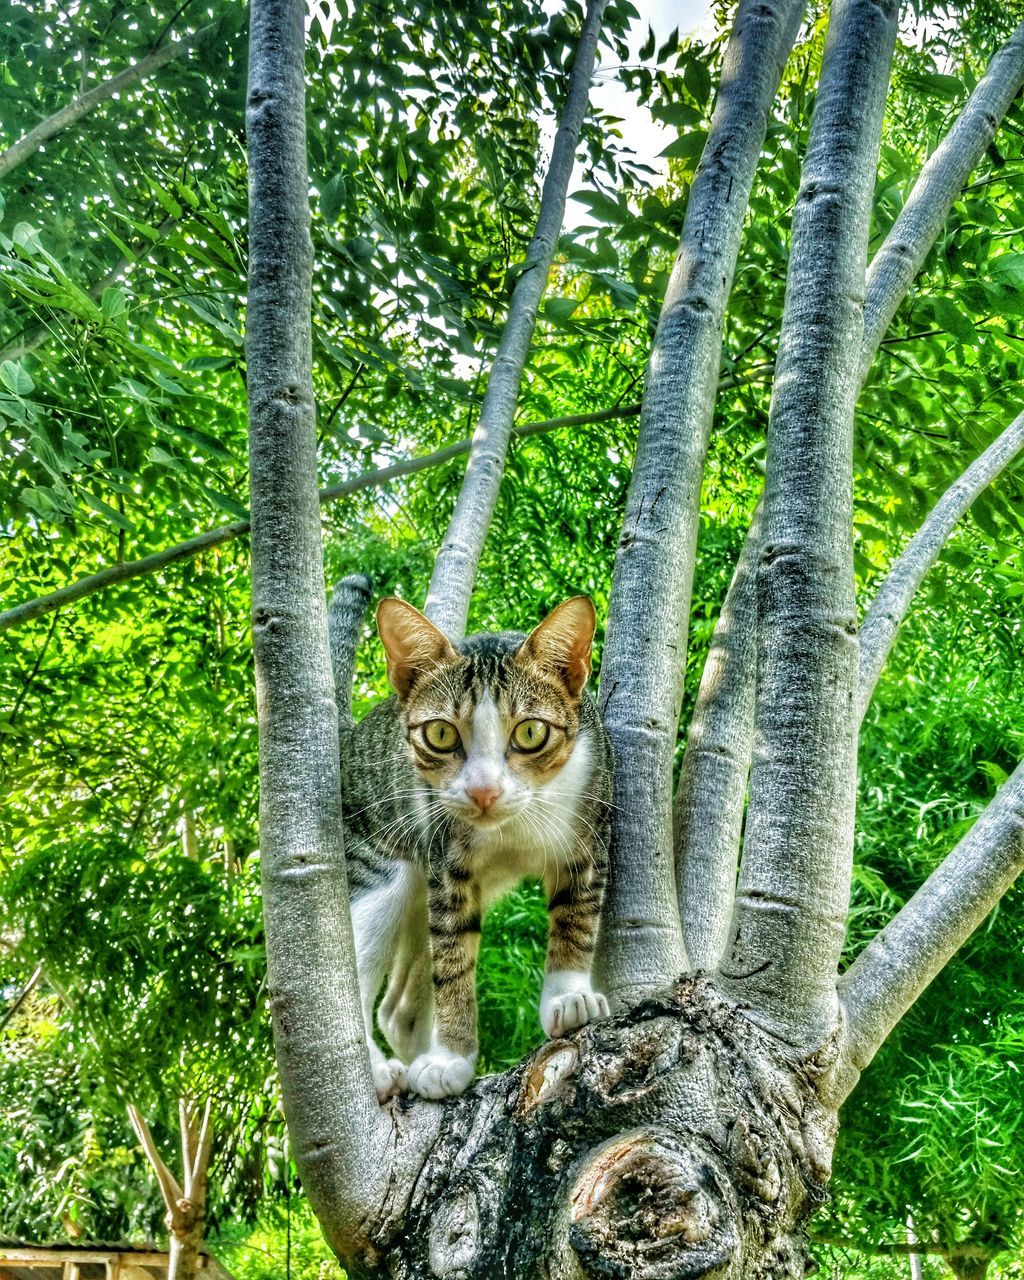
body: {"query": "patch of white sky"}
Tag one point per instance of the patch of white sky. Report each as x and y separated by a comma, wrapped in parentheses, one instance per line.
(645, 136)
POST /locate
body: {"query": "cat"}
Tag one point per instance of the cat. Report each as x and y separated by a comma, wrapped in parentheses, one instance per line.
(489, 764)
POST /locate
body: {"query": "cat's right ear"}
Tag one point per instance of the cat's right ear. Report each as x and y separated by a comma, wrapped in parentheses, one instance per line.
(412, 642)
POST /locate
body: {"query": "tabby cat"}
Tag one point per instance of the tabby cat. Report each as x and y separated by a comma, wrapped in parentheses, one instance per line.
(489, 764)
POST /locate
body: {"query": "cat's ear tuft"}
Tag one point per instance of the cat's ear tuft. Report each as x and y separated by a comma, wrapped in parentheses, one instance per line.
(412, 642)
(561, 644)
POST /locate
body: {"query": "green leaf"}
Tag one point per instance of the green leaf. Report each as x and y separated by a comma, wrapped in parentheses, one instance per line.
(106, 510)
(688, 147)
(113, 302)
(954, 321)
(332, 198)
(697, 79)
(560, 309)
(1008, 268)
(602, 207)
(15, 379)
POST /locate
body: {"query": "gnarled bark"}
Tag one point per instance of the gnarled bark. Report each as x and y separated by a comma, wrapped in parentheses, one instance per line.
(676, 1140)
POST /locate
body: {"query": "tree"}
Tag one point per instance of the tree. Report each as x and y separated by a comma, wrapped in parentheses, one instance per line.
(111, 450)
(693, 1132)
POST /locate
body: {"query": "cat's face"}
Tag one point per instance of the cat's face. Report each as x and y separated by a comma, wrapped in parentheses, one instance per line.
(490, 729)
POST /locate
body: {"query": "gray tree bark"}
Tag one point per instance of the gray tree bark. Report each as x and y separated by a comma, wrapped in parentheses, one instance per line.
(451, 585)
(790, 914)
(339, 1135)
(712, 786)
(645, 649)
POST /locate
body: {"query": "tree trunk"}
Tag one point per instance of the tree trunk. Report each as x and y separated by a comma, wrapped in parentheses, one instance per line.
(676, 1140)
(187, 1226)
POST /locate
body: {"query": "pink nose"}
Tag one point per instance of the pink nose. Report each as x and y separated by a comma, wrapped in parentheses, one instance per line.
(484, 797)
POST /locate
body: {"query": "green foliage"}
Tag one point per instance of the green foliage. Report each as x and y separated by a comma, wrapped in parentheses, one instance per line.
(127, 736)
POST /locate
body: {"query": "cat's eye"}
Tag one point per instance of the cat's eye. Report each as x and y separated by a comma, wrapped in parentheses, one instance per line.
(441, 735)
(530, 735)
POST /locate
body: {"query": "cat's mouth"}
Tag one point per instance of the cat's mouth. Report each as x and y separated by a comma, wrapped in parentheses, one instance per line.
(487, 819)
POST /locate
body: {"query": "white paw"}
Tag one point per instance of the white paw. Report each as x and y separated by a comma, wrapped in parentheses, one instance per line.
(388, 1078)
(440, 1075)
(569, 1001)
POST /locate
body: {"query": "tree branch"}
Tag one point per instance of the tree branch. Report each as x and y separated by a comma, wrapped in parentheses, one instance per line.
(713, 778)
(338, 1132)
(451, 585)
(941, 180)
(126, 570)
(170, 1189)
(726, 740)
(896, 1248)
(900, 961)
(885, 615)
(86, 102)
(645, 650)
(791, 904)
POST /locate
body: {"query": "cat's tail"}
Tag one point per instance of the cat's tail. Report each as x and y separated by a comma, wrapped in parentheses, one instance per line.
(345, 615)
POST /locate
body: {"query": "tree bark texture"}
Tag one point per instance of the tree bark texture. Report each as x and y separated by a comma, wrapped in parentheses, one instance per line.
(88, 101)
(713, 779)
(333, 1117)
(451, 585)
(645, 650)
(677, 1140)
(793, 893)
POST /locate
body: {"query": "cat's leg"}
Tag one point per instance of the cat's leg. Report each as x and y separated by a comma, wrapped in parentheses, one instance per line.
(376, 917)
(568, 999)
(406, 1012)
(447, 1066)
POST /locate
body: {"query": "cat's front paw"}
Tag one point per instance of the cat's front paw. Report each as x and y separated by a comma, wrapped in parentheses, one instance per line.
(438, 1074)
(569, 1001)
(388, 1078)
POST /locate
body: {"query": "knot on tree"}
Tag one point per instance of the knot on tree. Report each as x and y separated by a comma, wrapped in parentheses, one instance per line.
(647, 1206)
(671, 1141)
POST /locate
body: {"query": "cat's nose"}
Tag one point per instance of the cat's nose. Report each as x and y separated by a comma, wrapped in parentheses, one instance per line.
(484, 796)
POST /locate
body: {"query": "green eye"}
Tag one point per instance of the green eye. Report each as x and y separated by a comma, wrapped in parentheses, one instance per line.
(530, 735)
(441, 735)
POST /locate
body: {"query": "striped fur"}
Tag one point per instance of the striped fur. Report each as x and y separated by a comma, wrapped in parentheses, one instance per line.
(434, 835)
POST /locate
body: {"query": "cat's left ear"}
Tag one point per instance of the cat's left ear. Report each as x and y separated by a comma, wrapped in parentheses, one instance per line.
(561, 643)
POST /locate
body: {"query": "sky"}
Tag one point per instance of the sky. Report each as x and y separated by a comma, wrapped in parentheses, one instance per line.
(647, 137)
